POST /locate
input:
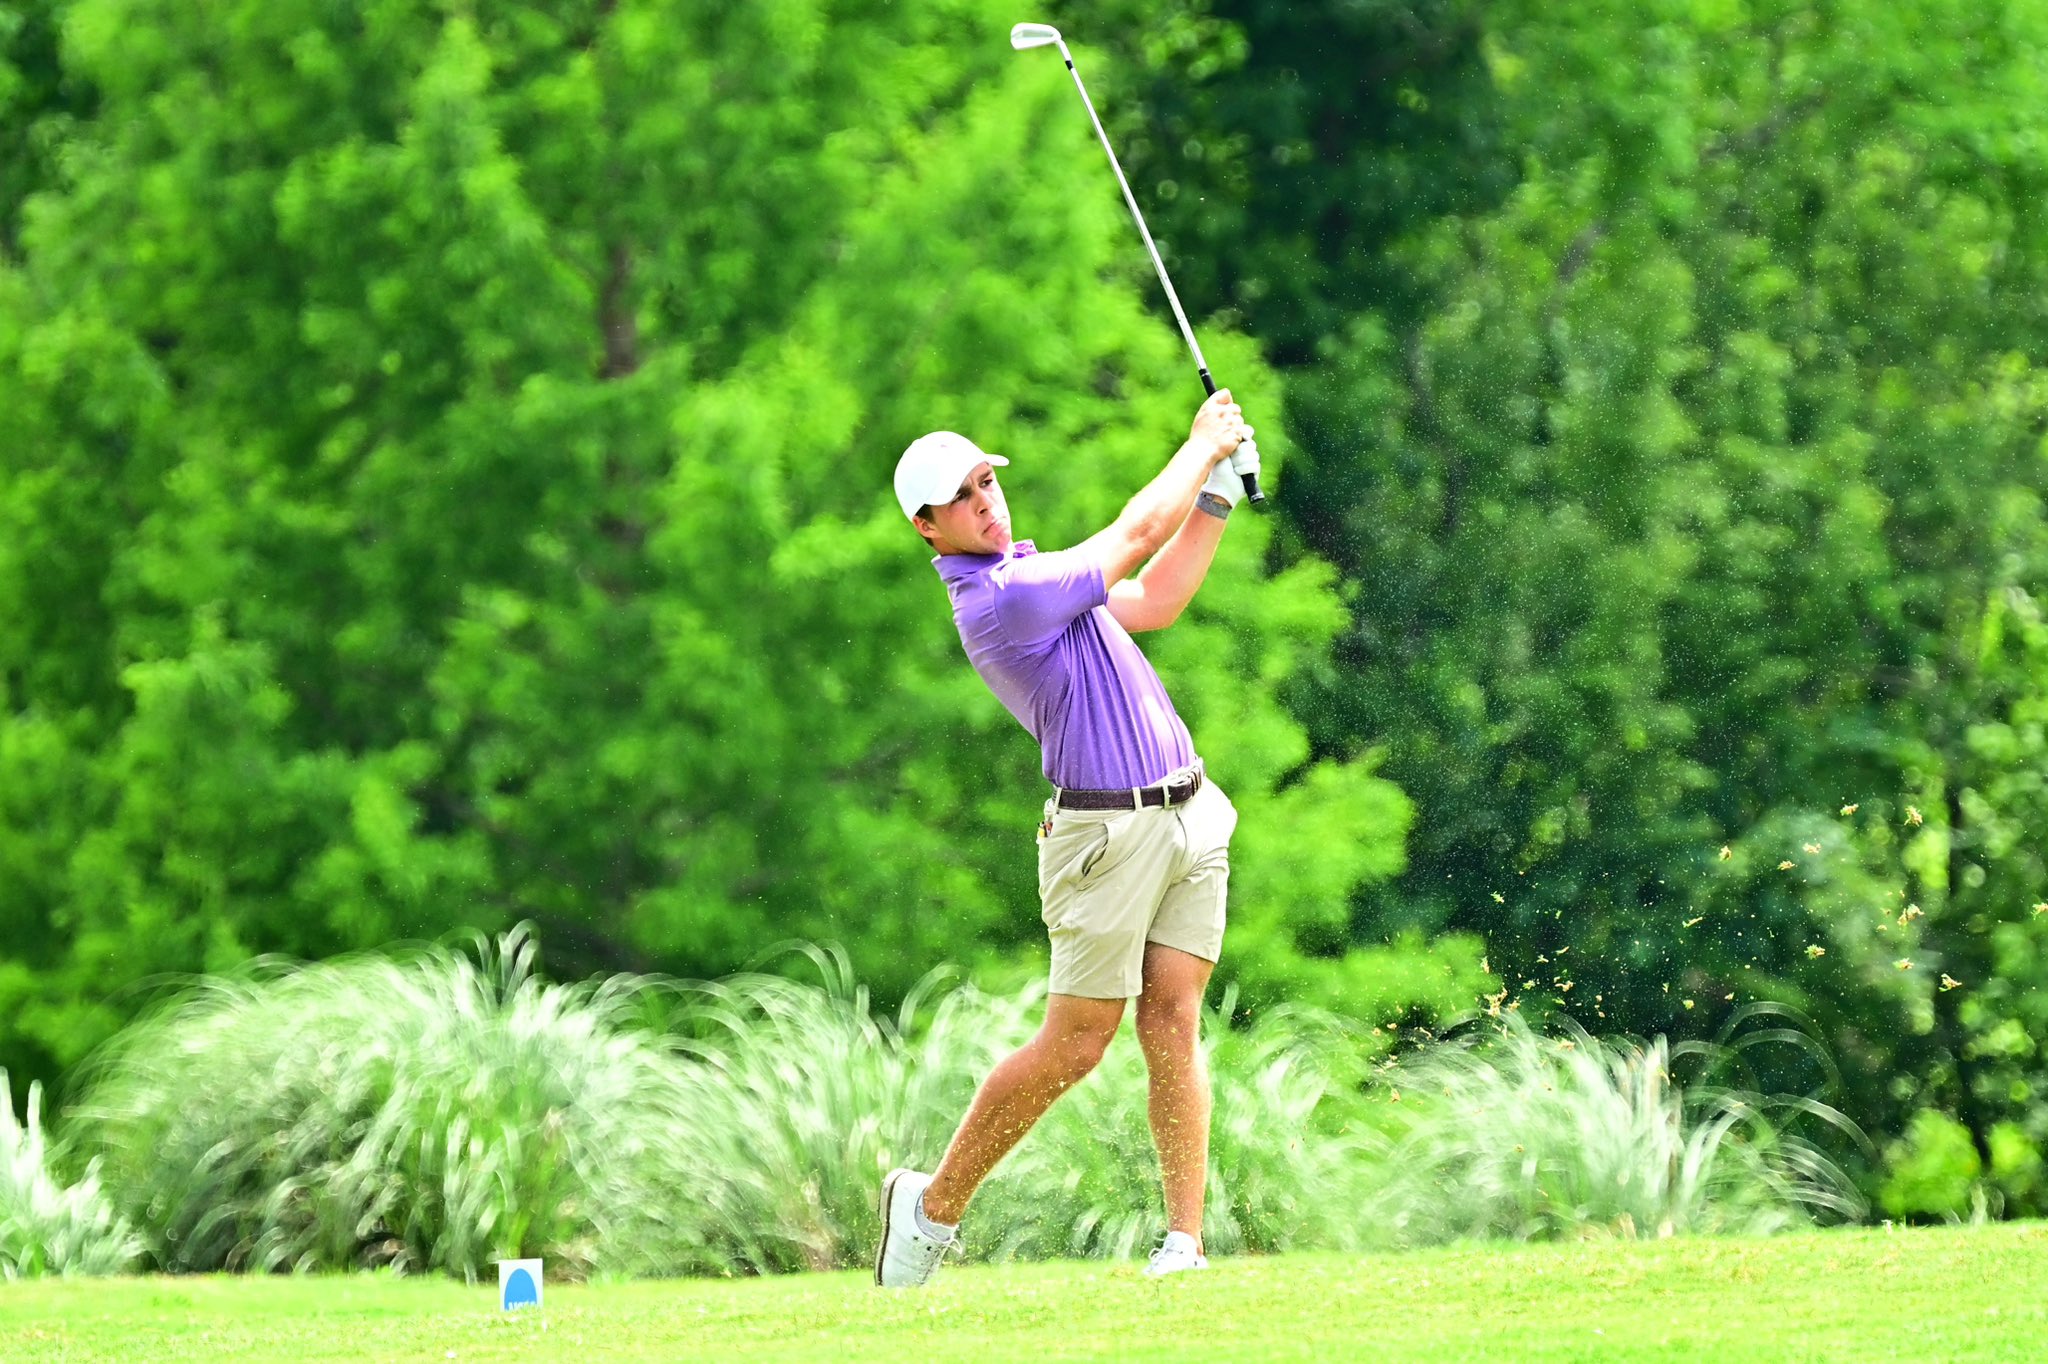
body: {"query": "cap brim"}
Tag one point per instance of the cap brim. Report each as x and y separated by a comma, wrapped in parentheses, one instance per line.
(939, 496)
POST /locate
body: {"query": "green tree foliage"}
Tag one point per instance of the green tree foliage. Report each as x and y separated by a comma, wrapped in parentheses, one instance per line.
(39, 103)
(1282, 145)
(443, 481)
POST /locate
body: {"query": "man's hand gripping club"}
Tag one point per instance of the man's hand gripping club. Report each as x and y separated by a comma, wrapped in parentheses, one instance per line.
(1152, 517)
(1227, 474)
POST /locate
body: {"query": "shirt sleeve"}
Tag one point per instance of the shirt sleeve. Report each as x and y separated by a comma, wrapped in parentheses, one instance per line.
(1037, 596)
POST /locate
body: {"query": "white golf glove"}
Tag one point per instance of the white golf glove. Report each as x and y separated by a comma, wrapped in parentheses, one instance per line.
(1226, 476)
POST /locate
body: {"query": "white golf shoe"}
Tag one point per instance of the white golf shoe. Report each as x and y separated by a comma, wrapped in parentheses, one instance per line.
(907, 1258)
(1179, 1253)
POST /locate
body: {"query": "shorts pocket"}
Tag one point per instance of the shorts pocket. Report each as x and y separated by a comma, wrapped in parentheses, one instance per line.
(1098, 850)
(1077, 854)
(1064, 853)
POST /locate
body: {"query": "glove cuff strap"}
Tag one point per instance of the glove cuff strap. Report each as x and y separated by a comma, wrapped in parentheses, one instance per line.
(1212, 504)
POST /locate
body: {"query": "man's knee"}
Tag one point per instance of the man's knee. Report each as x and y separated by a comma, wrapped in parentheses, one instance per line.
(1169, 1023)
(1077, 1038)
(1081, 1049)
(1078, 1063)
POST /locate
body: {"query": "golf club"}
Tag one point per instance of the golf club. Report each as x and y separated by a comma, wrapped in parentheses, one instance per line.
(1040, 35)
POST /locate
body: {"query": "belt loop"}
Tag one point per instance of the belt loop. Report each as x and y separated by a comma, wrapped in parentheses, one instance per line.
(1137, 799)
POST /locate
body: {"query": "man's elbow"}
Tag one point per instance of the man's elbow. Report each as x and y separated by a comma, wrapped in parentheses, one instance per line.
(1156, 614)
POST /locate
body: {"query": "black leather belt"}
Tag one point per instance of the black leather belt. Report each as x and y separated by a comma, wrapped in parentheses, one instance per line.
(1177, 789)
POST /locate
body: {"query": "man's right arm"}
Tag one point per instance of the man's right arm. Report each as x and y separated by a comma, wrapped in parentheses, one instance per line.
(1150, 519)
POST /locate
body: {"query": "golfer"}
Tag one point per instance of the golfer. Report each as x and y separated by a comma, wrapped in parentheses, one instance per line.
(1133, 853)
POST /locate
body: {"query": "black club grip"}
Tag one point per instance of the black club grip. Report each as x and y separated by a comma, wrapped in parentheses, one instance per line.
(1251, 481)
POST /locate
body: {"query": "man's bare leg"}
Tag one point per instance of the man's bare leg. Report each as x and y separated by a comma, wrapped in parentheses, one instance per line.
(1016, 1094)
(1169, 1023)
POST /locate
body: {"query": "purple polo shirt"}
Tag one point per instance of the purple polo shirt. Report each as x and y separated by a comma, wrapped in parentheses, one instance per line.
(1038, 630)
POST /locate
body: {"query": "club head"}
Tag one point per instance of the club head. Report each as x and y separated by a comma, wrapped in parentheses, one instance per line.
(1033, 35)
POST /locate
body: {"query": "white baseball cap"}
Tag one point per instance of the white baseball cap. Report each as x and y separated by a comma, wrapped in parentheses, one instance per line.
(934, 466)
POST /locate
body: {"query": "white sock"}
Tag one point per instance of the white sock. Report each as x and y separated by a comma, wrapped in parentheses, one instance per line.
(935, 1231)
(1180, 1240)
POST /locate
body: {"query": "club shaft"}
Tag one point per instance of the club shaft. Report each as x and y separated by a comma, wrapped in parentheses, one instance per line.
(1187, 332)
(1251, 480)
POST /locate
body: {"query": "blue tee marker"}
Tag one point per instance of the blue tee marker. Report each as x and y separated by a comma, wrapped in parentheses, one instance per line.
(519, 1284)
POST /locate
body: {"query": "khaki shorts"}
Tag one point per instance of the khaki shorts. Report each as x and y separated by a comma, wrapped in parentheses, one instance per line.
(1113, 880)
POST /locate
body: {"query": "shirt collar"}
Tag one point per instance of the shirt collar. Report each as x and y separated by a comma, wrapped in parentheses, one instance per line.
(953, 567)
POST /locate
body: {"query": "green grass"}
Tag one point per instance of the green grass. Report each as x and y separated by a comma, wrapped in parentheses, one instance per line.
(1921, 1295)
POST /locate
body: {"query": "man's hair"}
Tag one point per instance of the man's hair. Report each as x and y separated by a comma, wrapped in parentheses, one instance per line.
(924, 512)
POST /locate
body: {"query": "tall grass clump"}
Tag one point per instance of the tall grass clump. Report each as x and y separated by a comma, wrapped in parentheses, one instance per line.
(801, 1101)
(438, 1112)
(793, 1100)
(46, 1226)
(1288, 1142)
(441, 1109)
(425, 1112)
(1525, 1136)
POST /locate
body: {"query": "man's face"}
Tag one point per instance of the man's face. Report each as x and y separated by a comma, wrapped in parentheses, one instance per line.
(977, 521)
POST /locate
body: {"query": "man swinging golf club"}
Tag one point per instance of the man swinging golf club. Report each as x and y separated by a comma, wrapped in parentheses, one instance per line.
(1133, 854)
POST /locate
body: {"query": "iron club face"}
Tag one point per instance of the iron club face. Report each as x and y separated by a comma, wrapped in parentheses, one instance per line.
(1033, 35)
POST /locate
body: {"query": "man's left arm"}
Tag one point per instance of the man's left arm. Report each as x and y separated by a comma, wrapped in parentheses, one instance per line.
(1155, 598)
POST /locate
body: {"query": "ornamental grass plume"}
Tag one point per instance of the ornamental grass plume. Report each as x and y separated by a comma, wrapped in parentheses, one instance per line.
(428, 1111)
(801, 1100)
(438, 1110)
(789, 1101)
(46, 1226)
(1514, 1134)
(1286, 1142)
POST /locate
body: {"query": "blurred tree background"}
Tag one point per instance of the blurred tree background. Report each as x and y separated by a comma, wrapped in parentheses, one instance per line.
(444, 463)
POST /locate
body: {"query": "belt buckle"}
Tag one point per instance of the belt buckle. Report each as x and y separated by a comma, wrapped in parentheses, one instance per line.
(1179, 781)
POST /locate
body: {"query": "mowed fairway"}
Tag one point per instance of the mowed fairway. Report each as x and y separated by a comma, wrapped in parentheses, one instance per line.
(1921, 1295)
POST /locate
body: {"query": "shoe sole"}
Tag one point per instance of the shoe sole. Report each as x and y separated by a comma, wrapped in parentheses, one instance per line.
(1169, 1273)
(888, 1189)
